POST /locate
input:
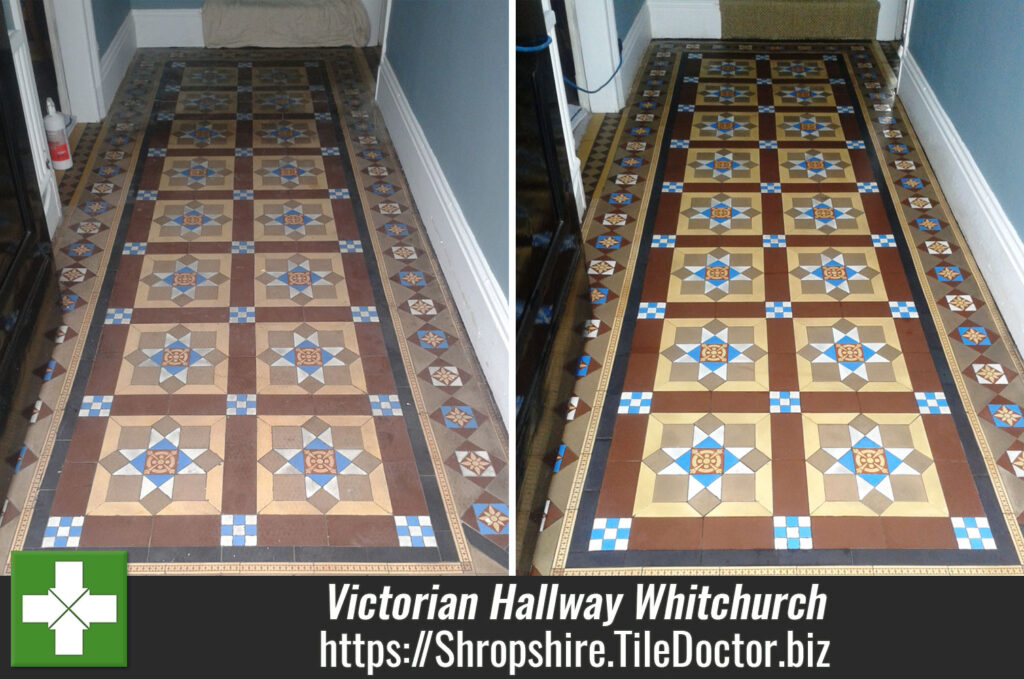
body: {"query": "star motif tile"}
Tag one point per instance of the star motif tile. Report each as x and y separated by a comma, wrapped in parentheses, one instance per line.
(282, 101)
(733, 274)
(798, 68)
(307, 359)
(861, 355)
(705, 465)
(803, 95)
(197, 173)
(823, 213)
(725, 93)
(289, 172)
(860, 465)
(299, 279)
(207, 101)
(202, 134)
(321, 465)
(832, 274)
(722, 165)
(175, 359)
(307, 219)
(817, 166)
(182, 280)
(194, 220)
(809, 126)
(720, 214)
(160, 465)
(723, 126)
(280, 133)
(701, 355)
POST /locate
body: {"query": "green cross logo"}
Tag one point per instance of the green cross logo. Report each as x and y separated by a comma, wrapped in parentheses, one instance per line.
(69, 609)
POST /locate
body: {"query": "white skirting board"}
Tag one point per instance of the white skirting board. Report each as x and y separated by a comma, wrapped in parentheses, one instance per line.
(995, 244)
(685, 18)
(633, 47)
(477, 295)
(115, 61)
(169, 27)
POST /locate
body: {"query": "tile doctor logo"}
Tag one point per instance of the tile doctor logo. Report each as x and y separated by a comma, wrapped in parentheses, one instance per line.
(69, 609)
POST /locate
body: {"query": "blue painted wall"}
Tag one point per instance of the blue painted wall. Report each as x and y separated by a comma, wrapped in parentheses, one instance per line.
(166, 4)
(451, 58)
(625, 14)
(973, 58)
(107, 17)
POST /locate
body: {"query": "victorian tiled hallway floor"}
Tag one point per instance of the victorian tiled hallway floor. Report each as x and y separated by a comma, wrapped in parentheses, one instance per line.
(793, 363)
(260, 369)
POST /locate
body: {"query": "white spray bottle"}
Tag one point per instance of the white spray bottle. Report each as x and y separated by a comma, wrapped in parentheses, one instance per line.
(57, 137)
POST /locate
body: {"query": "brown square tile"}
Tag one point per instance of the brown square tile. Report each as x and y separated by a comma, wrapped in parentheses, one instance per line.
(665, 533)
(185, 531)
(292, 530)
(737, 532)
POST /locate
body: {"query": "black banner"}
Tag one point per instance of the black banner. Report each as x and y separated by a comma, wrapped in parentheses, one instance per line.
(375, 626)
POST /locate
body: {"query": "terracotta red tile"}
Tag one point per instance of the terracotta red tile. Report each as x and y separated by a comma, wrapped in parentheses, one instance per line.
(665, 533)
(185, 531)
(737, 532)
(292, 530)
(362, 531)
(847, 532)
(116, 531)
(618, 492)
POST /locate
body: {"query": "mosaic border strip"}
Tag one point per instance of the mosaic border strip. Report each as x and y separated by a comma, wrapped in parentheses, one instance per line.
(553, 546)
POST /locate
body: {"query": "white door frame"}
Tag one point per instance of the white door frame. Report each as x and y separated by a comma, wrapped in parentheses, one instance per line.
(75, 33)
(575, 170)
(595, 52)
(46, 179)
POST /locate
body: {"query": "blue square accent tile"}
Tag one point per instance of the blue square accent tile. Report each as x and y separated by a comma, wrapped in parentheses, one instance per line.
(238, 530)
(241, 404)
(383, 405)
(690, 79)
(867, 187)
(765, 109)
(365, 314)
(609, 535)
(651, 310)
(931, 403)
(338, 194)
(903, 310)
(672, 187)
(146, 195)
(330, 151)
(662, 241)
(96, 406)
(773, 241)
(792, 532)
(771, 187)
(243, 116)
(134, 249)
(63, 532)
(243, 152)
(685, 108)
(972, 532)
(767, 144)
(156, 153)
(415, 531)
(855, 144)
(679, 144)
(784, 402)
(764, 81)
(883, 240)
(322, 116)
(243, 247)
(635, 402)
(844, 109)
(118, 316)
(242, 314)
(778, 309)
(350, 246)
(242, 194)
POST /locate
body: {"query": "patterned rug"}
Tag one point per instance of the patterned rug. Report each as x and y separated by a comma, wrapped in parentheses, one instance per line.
(793, 363)
(260, 367)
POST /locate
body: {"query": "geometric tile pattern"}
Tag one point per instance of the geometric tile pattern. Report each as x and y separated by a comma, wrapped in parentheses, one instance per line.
(786, 382)
(254, 344)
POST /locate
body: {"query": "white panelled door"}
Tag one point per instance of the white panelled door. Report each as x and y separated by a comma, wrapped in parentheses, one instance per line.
(45, 176)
